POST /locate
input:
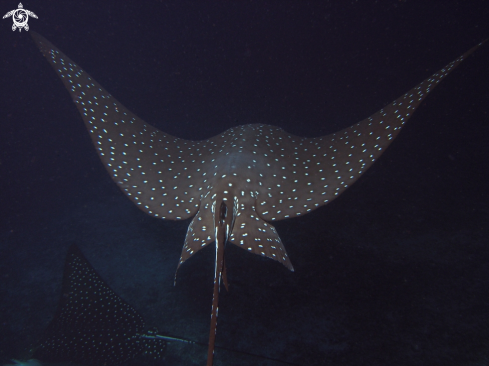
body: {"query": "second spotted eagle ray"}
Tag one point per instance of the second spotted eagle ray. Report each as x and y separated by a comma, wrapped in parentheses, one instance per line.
(233, 184)
(93, 325)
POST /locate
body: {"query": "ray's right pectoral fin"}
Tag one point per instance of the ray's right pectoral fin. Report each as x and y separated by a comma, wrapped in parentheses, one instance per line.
(255, 235)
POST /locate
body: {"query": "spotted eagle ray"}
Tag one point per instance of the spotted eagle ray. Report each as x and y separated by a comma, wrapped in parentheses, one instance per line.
(92, 325)
(233, 184)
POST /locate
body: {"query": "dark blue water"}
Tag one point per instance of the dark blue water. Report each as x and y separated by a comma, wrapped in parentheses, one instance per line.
(394, 272)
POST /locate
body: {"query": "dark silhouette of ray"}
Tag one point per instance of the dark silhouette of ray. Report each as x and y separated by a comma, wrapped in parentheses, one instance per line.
(92, 325)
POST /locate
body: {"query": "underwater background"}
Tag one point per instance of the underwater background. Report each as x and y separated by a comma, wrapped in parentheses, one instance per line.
(393, 272)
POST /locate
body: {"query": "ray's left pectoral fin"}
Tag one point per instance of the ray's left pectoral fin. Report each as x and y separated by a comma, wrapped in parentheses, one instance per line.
(357, 147)
(325, 166)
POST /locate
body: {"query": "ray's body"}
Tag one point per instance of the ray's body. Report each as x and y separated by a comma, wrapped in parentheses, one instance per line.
(237, 182)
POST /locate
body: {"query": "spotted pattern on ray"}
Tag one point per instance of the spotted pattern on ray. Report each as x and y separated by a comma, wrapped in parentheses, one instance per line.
(92, 324)
(267, 173)
(235, 183)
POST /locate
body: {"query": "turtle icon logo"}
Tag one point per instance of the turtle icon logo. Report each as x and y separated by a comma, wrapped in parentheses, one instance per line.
(20, 17)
